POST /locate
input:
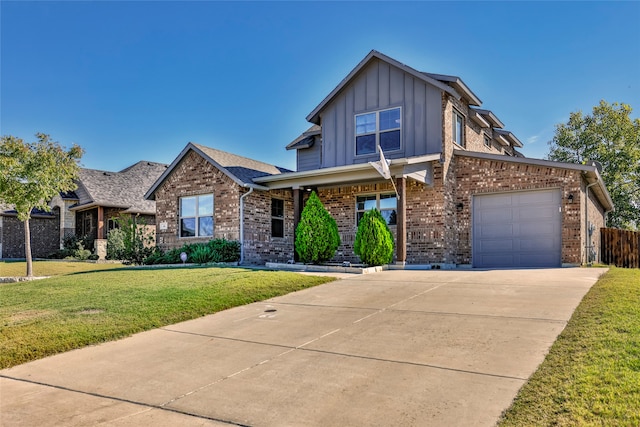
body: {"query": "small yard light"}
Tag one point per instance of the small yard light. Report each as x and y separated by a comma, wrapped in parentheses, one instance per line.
(183, 257)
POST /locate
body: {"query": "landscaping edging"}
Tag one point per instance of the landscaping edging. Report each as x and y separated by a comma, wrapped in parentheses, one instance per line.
(326, 268)
(21, 279)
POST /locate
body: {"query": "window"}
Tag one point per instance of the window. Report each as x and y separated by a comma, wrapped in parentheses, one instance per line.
(277, 218)
(112, 224)
(196, 216)
(487, 141)
(458, 128)
(378, 128)
(385, 203)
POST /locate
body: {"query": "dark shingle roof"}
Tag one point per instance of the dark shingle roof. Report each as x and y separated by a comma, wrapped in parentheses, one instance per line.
(124, 189)
(240, 169)
(243, 168)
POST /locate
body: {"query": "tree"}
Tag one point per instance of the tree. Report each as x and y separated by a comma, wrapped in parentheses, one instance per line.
(31, 174)
(374, 241)
(610, 136)
(317, 236)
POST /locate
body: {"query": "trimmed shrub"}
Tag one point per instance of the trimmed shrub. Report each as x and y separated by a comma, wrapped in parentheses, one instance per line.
(317, 236)
(374, 241)
(216, 250)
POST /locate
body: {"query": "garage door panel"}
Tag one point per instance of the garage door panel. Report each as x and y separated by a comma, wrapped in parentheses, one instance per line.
(519, 229)
(536, 213)
(536, 245)
(496, 215)
(495, 200)
(538, 228)
(495, 231)
(501, 245)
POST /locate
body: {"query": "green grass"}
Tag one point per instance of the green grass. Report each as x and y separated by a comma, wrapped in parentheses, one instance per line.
(591, 376)
(51, 268)
(49, 316)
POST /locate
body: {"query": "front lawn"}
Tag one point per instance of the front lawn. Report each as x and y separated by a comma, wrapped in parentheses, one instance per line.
(49, 316)
(591, 375)
(51, 268)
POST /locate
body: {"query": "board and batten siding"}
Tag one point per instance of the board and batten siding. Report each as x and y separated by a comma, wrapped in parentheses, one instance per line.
(309, 158)
(379, 86)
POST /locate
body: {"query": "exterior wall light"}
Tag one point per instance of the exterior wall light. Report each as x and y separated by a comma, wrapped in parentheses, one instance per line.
(570, 197)
(459, 206)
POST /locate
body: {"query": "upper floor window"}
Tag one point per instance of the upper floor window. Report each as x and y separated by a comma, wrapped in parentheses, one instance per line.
(378, 128)
(385, 203)
(487, 141)
(196, 216)
(458, 128)
(277, 218)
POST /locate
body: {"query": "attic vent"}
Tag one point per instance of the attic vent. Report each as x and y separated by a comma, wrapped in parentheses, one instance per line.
(106, 173)
(149, 163)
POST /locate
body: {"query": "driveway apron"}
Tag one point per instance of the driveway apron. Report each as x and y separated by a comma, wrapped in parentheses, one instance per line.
(396, 348)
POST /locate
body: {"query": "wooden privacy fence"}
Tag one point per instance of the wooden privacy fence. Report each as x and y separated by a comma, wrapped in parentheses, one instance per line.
(620, 247)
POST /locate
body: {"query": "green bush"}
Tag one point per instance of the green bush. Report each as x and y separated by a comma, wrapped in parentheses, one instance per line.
(130, 242)
(374, 241)
(216, 250)
(317, 236)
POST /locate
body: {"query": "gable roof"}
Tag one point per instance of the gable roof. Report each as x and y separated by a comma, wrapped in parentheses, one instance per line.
(124, 189)
(306, 139)
(314, 116)
(241, 170)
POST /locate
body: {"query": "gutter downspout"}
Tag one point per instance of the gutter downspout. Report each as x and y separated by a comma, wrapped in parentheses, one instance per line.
(587, 243)
(242, 221)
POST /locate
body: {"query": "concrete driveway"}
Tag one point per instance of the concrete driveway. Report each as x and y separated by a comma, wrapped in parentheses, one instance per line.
(397, 348)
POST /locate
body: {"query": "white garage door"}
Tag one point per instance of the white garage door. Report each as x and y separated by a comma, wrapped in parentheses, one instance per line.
(522, 229)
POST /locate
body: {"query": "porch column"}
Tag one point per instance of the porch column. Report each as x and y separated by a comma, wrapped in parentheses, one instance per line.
(100, 244)
(401, 229)
(101, 232)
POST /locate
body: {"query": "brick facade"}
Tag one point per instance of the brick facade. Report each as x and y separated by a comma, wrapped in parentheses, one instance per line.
(195, 176)
(482, 176)
(45, 235)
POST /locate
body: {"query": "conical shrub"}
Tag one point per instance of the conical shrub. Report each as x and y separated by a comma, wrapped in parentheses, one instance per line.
(374, 241)
(317, 236)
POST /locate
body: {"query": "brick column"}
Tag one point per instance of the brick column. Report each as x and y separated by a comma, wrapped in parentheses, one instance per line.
(401, 229)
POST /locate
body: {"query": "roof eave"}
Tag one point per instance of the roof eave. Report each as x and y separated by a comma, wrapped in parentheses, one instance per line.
(338, 174)
(590, 172)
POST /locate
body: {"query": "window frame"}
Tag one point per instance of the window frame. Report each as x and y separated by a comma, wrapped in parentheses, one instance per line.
(377, 132)
(455, 116)
(378, 196)
(487, 141)
(197, 216)
(279, 218)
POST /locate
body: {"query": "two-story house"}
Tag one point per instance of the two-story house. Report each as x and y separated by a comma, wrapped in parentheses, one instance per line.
(459, 194)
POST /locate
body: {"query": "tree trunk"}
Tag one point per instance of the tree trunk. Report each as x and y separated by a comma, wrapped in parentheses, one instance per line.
(27, 248)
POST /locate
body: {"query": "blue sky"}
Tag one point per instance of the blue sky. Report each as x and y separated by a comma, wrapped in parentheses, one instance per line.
(138, 80)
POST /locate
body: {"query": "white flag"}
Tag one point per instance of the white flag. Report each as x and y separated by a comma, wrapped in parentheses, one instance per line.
(382, 166)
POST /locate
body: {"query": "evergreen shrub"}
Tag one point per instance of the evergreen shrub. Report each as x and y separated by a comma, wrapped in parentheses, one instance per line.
(317, 236)
(374, 241)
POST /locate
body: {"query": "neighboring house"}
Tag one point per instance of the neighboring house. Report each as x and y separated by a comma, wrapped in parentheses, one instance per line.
(88, 212)
(465, 195)
(44, 227)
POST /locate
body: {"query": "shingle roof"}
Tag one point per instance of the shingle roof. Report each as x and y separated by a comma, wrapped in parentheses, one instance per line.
(243, 168)
(240, 169)
(305, 140)
(124, 189)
